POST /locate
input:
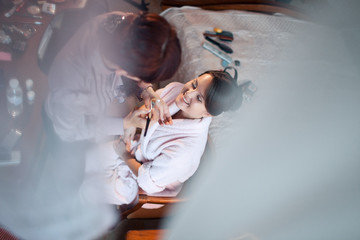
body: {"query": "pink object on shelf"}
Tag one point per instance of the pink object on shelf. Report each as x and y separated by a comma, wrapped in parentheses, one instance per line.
(5, 56)
(6, 235)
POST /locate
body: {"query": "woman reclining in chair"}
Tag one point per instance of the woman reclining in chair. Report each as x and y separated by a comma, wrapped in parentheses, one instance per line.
(169, 154)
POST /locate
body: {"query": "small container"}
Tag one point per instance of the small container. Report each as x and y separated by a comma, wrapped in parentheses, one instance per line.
(29, 83)
(14, 96)
(30, 96)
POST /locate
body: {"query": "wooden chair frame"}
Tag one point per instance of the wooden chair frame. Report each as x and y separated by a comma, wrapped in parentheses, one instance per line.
(263, 6)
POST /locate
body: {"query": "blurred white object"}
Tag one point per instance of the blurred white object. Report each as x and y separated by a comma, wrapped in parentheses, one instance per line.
(289, 166)
(14, 98)
(29, 83)
(30, 97)
(49, 8)
(11, 139)
(15, 158)
(249, 92)
(4, 38)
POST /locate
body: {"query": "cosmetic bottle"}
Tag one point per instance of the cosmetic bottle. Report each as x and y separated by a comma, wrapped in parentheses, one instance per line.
(14, 96)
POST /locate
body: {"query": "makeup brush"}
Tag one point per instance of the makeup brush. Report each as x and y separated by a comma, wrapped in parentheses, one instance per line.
(149, 115)
(222, 46)
(148, 119)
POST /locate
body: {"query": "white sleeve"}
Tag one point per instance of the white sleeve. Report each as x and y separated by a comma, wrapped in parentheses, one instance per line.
(68, 115)
(70, 106)
(66, 109)
(111, 126)
(175, 163)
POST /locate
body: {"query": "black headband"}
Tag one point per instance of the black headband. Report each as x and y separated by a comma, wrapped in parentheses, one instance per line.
(235, 73)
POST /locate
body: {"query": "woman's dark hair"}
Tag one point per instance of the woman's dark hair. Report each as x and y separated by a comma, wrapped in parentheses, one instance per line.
(144, 45)
(224, 93)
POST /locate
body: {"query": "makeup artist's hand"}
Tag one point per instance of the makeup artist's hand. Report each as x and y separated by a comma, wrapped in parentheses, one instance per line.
(135, 119)
(160, 111)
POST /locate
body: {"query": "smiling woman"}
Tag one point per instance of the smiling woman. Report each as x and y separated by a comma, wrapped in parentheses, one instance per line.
(212, 93)
(191, 100)
(160, 162)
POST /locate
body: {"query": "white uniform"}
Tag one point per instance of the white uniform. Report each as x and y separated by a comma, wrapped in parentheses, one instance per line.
(81, 88)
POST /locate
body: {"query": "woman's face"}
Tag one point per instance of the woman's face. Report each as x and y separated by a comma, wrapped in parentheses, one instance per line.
(191, 99)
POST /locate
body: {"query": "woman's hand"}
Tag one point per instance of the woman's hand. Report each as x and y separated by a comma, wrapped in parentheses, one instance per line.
(160, 109)
(128, 136)
(119, 146)
(122, 148)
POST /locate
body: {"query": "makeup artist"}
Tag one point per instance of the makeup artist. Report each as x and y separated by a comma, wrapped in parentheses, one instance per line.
(109, 60)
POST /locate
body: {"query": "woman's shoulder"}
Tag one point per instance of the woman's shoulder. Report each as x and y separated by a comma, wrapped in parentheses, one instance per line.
(174, 84)
(172, 87)
(170, 90)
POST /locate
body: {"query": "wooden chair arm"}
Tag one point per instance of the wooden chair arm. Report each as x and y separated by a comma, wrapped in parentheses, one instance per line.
(143, 199)
(158, 199)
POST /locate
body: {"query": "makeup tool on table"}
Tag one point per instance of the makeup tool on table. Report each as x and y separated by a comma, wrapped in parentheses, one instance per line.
(24, 31)
(226, 59)
(149, 115)
(17, 5)
(10, 12)
(222, 35)
(222, 46)
(33, 9)
(28, 15)
(49, 8)
(26, 22)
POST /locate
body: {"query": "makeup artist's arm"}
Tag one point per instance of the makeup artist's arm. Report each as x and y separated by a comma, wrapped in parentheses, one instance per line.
(135, 119)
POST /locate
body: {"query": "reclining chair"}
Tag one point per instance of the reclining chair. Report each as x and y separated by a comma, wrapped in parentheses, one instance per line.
(144, 223)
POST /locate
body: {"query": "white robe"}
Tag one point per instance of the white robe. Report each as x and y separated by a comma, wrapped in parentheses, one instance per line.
(170, 154)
